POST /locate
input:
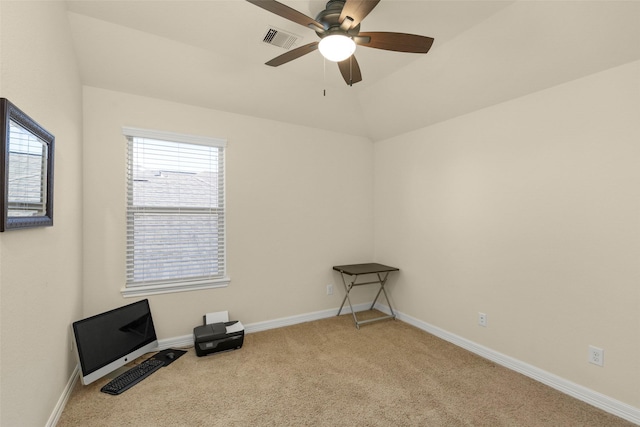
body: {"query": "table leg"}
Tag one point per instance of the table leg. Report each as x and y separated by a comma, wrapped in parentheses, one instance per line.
(382, 282)
(347, 289)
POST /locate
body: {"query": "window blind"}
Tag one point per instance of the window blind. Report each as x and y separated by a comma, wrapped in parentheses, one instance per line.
(175, 211)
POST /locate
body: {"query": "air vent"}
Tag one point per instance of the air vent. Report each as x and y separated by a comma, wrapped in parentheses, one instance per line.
(277, 37)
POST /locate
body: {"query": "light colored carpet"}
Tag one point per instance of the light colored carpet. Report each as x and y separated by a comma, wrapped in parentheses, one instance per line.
(328, 373)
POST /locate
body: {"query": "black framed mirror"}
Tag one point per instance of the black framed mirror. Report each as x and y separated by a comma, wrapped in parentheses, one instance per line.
(26, 170)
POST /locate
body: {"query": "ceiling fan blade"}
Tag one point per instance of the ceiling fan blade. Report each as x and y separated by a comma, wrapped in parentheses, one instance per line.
(288, 13)
(350, 70)
(357, 10)
(398, 42)
(293, 54)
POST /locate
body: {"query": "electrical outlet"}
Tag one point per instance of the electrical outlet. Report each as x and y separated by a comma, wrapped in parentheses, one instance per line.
(482, 319)
(596, 355)
(330, 289)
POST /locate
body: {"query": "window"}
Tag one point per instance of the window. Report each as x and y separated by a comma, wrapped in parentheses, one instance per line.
(175, 213)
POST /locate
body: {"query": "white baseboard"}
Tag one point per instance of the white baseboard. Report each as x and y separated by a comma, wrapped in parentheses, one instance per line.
(293, 320)
(176, 342)
(599, 400)
(577, 391)
(187, 340)
(62, 401)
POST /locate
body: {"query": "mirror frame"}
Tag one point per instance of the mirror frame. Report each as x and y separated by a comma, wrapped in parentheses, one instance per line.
(9, 112)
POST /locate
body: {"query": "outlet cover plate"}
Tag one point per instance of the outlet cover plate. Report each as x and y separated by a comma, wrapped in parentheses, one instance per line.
(596, 355)
(482, 319)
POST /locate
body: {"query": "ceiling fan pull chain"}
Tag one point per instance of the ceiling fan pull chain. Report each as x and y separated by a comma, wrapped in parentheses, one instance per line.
(351, 71)
(324, 76)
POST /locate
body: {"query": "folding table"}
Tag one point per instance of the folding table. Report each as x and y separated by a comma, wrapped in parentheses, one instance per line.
(356, 270)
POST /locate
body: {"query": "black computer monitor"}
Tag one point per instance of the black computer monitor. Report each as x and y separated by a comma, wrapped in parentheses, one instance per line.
(109, 340)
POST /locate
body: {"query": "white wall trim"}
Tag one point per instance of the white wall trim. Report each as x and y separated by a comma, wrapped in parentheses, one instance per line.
(167, 288)
(577, 391)
(173, 136)
(187, 340)
(572, 389)
(62, 401)
(309, 317)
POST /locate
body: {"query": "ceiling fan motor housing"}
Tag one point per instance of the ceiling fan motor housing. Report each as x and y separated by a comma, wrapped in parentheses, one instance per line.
(330, 20)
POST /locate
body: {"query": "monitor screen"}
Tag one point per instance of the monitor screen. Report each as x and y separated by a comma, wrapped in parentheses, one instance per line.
(109, 340)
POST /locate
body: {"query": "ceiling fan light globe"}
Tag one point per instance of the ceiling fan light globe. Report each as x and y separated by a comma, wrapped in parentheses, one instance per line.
(337, 47)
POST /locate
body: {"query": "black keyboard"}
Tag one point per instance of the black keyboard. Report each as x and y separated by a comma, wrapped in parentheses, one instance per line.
(132, 377)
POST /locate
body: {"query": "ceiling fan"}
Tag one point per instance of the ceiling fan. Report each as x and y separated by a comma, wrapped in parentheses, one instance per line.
(338, 27)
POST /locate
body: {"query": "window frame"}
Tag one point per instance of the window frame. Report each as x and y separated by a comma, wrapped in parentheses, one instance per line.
(144, 289)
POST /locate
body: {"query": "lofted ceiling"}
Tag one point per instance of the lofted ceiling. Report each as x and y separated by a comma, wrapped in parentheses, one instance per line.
(210, 53)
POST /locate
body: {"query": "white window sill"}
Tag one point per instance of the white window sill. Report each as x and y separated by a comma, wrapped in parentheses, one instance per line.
(167, 288)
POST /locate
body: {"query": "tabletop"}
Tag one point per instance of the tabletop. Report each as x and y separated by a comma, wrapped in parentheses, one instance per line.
(370, 268)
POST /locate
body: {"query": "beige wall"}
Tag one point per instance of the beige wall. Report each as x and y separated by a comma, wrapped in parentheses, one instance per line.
(299, 201)
(529, 212)
(40, 280)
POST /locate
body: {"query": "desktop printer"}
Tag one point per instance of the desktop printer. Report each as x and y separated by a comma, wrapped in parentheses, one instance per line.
(216, 337)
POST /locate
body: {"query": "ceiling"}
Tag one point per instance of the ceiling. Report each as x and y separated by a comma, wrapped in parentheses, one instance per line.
(210, 53)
